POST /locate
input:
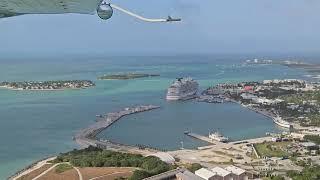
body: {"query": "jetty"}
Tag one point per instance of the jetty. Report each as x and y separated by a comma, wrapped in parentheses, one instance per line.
(87, 137)
(201, 138)
(213, 142)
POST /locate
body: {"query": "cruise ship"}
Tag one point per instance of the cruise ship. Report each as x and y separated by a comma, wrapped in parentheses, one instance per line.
(218, 137)
(182, 89)
(278, 120)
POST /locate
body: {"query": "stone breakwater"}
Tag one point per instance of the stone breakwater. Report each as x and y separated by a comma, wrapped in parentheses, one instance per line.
(87, 136)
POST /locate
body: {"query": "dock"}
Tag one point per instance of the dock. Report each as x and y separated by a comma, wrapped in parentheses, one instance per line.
(200, 137)
(214, 142)
(253, 141)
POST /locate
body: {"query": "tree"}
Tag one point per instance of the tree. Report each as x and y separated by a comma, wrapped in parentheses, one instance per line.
(139, 174)
(194, 167)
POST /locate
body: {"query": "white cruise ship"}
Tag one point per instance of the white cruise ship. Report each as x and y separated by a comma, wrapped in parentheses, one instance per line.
(182, 89)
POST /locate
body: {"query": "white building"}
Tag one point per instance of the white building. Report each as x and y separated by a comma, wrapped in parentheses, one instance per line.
(222, 174)
(205, 174)
(239, 174)
(228, 173)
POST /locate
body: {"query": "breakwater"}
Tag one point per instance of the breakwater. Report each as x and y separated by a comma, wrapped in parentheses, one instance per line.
(87, 137)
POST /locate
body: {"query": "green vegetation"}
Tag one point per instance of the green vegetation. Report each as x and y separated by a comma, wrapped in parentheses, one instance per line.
(126, 76)
(312, 138)
(314, 119)
(48, 85)
(299, 98)
(95, 157)
(63, 167)
(274, 178)
(272, 149)
(308, 173)
(194, 167)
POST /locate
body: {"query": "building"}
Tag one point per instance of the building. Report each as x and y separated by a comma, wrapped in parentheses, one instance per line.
(228, 173)
(309, 146)
(239, 174)
(248, 96)
(187, 175)
(222, 174)
(176, 174)
(206, 174)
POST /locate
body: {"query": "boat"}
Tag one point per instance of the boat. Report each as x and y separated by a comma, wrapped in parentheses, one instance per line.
(99, 116)
(182, 89)
(218, 137)
(282, 123)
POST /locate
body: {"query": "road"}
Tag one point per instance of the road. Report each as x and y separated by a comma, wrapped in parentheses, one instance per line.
(51, 168)
(33, 168)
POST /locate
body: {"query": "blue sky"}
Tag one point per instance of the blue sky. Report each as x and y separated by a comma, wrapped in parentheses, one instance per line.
(209, 26)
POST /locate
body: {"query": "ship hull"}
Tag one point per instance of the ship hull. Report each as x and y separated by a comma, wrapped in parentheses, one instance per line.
(182, 98)
(182, 89)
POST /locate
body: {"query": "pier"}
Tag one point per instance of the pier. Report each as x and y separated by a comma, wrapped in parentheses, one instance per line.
(200, 137)
(254, 141)
(87, 137)
(205, 139)
(214, 142)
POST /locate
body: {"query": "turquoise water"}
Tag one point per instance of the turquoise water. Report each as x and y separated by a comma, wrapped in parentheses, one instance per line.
(38, 124)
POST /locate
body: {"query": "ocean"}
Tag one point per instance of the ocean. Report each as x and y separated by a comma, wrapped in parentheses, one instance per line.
(35, 125)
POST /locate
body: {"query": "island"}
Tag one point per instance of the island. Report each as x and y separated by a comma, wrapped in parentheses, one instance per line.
(126, 76)
(309, 67)
(288, 102)
(48, 85)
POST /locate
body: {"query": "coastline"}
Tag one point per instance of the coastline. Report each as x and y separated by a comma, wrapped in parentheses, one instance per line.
(30, 168)
(265, 113)
(87, 137)
(62, 89)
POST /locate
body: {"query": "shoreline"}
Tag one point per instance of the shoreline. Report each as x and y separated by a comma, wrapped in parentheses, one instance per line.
(30, 168)
(87, 137)
(62, 89)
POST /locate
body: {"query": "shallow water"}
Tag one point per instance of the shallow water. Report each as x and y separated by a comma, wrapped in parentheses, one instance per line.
(38, 124)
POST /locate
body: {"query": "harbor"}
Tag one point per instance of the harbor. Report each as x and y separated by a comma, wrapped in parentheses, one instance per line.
(87, 137)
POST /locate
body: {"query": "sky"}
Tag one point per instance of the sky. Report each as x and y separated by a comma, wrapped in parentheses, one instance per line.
(208, 26)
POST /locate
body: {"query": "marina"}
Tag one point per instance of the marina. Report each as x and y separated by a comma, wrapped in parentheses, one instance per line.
(87, 136)
(42, 114)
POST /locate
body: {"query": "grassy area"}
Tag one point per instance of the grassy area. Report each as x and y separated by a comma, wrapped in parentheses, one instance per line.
(299, 98)
(272, 149)
(63, 167)
(95, 157)
(313, 138)
(308, 173)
